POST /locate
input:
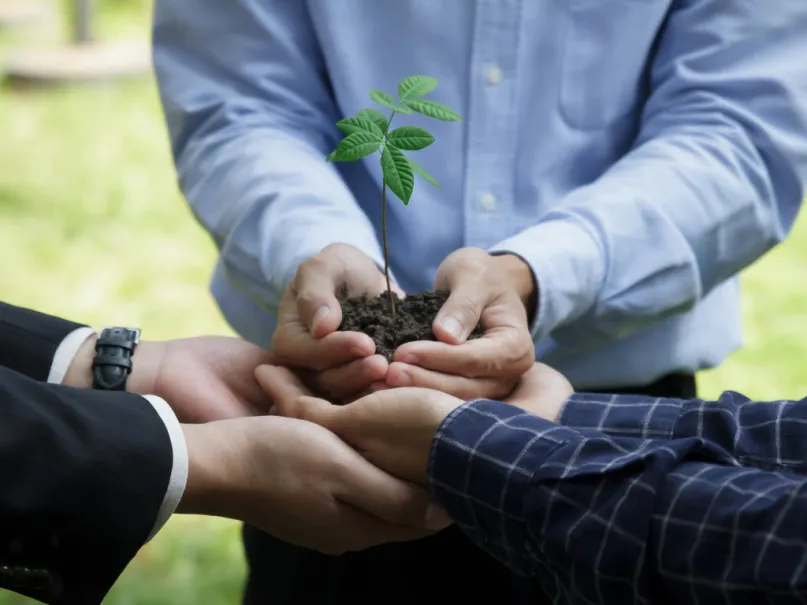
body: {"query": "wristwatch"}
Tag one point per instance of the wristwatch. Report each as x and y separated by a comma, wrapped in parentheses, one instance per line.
(113, 358)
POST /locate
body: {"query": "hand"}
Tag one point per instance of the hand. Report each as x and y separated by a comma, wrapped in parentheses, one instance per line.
(493, 290)
(202, 379)
(342, 364)
(302, 484)
(394, 428)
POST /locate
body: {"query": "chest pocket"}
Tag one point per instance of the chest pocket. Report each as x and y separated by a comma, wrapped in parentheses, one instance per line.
(607, 51)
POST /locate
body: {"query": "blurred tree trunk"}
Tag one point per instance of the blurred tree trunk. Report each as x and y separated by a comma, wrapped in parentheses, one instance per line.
(82, 21)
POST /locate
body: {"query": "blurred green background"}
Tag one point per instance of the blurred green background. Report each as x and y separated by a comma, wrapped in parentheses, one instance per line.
(92, 227)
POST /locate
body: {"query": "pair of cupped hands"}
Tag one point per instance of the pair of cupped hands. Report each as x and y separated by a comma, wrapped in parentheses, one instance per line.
(337, 442)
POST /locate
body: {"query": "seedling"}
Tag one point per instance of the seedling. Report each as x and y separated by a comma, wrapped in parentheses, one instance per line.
(369, 131)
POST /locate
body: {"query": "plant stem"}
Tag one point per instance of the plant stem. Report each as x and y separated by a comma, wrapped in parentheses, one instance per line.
(384, 228)
(386, 251)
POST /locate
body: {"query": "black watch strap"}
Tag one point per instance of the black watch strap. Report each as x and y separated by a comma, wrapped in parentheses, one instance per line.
(113, 358)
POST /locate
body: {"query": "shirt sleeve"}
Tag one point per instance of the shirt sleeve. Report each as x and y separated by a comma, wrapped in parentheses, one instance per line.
(251, 121)
(770, 435)
(593, 515)
(713, 180)
(65, 353)
(179, 470)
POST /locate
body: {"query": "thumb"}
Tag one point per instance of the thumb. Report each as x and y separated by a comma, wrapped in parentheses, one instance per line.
(543, 391)
(316, 284)
(323, 413)
(460, 314)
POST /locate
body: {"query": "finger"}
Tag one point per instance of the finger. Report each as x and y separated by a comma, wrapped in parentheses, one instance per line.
(501, 352)
(321, 412)
(404, 375)
(542, 391)
(316, 284)
(282, 386)
(370, 489)
(351, 378)
(397, 290)
(460, 274)
(293, 346)
(379, 386)
(460, 314)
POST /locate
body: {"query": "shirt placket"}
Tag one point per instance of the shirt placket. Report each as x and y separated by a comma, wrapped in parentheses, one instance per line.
(491, 125)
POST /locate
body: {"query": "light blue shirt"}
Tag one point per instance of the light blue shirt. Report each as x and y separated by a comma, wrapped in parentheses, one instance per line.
(637, 153)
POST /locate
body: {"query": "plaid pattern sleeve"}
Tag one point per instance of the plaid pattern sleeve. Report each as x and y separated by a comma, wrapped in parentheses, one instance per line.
(771, 435)
(598, 518)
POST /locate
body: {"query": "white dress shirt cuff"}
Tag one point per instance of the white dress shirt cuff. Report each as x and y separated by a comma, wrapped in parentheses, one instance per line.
(65, 353)
(179, 472)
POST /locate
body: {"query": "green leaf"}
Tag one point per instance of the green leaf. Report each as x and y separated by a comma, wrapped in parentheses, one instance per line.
(433, 109)
(398, 174)
(355, 146)
(382, 98)
(415, 86)
(385, 100)
(421, 172)
(410, 137)
(359, 124)
(376, 117)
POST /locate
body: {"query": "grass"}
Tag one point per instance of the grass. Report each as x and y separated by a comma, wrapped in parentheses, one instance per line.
(92, 228)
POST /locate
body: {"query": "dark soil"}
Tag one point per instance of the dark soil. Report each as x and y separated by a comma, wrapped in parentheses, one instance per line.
(412, 321)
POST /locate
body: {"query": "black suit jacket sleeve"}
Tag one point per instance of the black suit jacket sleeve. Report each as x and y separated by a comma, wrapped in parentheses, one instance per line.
(29, 339)
(83, 474)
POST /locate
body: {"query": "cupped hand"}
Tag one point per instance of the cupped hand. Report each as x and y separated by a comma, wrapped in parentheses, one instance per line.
(487, 290)
(338, 365)
(202, 379)
(302, 484)
(394, 428)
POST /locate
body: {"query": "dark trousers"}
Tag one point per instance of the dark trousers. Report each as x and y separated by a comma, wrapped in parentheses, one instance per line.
(441, 569)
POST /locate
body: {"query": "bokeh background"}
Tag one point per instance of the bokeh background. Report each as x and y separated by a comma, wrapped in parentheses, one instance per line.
(92, 227)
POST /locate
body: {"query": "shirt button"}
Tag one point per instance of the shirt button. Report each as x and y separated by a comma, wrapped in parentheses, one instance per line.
(494, 75)
(488, 201)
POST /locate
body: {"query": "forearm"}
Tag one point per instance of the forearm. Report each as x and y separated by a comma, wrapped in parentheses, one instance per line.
(714, 179)
(36, 344)
(538, 496)
(768, 435)
(115, 462)
(591, 514)
(728, 534)
(270, 201)
(251, 121)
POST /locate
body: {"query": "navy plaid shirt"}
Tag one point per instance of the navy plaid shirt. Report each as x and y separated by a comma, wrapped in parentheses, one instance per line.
(634, 499)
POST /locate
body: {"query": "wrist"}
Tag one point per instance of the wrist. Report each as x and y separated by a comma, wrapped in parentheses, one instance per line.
(146, 362)
(519, 274)
(208, 490)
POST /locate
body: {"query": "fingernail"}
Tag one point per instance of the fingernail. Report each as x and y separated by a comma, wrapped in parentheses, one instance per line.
(321, 313)
(400, 378)
(437, 517)
(359, 351)
(453, 327)
(409, 358)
